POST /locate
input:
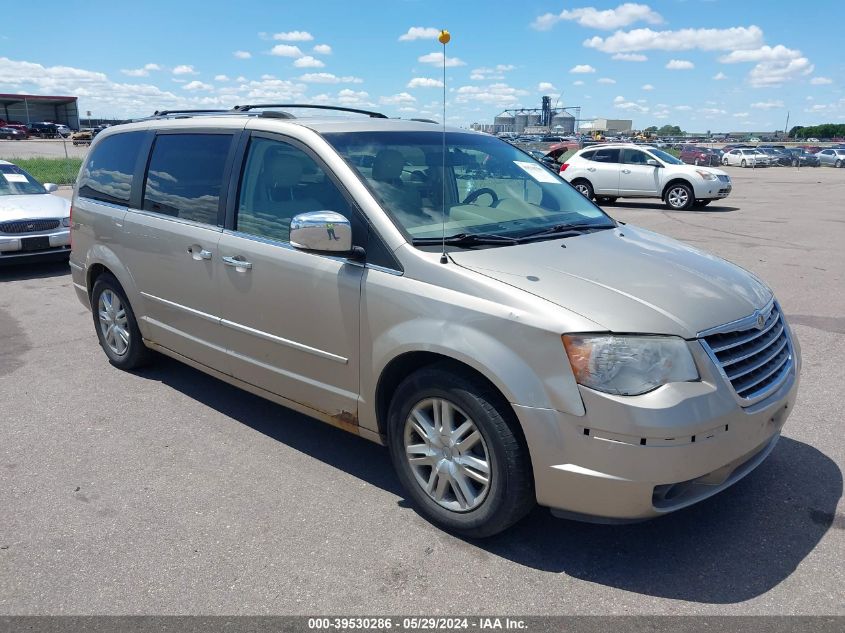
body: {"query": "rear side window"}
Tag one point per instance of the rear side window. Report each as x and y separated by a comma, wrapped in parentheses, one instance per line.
(606, 156)
(107, 175)
(185, 176)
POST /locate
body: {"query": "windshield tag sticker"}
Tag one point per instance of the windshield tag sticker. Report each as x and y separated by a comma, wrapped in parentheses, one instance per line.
(15, 177)
(537, 172)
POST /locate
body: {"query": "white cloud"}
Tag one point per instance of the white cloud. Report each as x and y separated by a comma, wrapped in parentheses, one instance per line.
(680, 64)
(286, 50)
(762, 54)
(221, 78)
(436, 59)
(740, 115)
(349, 97)
(497, 72)
(578, 83)
(144, 71)
(734, 38)
(610, 19)
(767, 74)
(821, 81)
(630, 57)
(293, 36)
(720, 76)
(767, 105)
(497, 94)
(398, 99)
(240, 79)
(712, 111)
(308, 62)
(329, 78)
(582, 68)
(425, 82)
(606, 80)
(545, 86)
(420, 33)
(647, 87)
(197, 85)
(184, 69)
(242, 54)
(322, 49)
(683, 108)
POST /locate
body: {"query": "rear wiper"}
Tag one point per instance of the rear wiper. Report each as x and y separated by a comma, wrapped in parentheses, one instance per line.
(574, 229)
(466, 239)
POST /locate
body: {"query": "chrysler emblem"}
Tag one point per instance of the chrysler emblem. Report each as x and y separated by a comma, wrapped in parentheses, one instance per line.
(761, 321)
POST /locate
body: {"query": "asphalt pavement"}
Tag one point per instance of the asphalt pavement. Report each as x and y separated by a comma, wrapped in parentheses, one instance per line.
(166, 491)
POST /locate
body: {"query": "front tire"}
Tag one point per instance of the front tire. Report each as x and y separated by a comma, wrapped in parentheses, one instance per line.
(725, 161)
(116, 326)
(679, 197)
(455, 444)
(838, 163)
(743, 164)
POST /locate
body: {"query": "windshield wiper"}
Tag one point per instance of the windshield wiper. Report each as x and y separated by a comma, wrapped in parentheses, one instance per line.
(466, 239)
(557, 229)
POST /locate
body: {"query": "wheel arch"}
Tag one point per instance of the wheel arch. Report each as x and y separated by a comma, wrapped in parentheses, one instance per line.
(678, 180)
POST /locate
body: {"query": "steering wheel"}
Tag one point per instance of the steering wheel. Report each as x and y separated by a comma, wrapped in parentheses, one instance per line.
(472, 196)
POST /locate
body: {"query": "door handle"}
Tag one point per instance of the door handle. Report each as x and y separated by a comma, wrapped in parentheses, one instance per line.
(626, 171)
(199, 253)
(591, 168)
(237, 262)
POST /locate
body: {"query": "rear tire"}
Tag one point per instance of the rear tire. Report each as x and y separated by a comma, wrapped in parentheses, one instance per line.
(743, 164)
(116, 326)
(463, 499)
(838, 163)
(725, 161)
(585, 188)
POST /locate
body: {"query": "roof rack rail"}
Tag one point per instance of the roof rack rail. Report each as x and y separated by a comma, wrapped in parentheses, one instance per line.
(167, 112)
(247, 108)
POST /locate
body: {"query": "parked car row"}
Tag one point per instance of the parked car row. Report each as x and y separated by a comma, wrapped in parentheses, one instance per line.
(41, 129)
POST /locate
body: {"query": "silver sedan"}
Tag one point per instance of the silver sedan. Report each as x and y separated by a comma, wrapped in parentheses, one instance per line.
(832, 157)
(32, 221)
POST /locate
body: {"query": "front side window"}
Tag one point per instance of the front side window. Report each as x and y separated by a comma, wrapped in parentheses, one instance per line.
(279, 181)
(15, 181)
(185, 176)
(634, 157)
(490, 187)
(107, 174)
(666, 158)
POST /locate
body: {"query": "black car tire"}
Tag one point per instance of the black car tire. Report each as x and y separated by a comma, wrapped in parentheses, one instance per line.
(137, 354)
(681, 187)
(838, 163)
(511, 484)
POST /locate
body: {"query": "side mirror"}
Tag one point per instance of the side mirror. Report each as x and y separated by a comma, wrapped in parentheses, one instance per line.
(49, 187)
(323, 231)
(653, 163)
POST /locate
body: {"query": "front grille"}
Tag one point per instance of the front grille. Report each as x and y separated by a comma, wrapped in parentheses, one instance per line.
(756, 361)
(28, 226)
(724, 178)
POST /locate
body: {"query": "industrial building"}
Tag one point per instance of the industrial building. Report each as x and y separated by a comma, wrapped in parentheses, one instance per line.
(607, 126)
(36, 108)
(543, 120)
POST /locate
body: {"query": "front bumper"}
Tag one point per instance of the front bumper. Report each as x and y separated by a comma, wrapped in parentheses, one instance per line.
(34, 244)
(638, 457)
(710, 189)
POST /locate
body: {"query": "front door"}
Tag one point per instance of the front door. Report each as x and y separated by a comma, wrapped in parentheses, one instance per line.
(291, 317)
(636, 177)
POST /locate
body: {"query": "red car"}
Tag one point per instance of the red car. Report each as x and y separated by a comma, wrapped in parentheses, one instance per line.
(694, 155)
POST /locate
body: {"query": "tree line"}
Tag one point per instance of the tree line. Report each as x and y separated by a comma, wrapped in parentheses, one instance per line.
(825, 130)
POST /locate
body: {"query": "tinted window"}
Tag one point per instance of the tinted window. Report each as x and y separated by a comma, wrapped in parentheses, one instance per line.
(185, 176)
(606, 156)
(279, 181)
(107, 175)
(588, 155)
(634, 157)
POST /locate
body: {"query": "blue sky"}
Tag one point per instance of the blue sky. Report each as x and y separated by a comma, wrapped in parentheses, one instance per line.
(702, 64)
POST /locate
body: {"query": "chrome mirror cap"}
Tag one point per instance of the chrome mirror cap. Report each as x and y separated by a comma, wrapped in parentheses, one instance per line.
(49, 187)
(324, 231)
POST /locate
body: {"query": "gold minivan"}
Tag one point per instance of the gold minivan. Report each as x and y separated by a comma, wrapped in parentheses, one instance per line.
(440, 292)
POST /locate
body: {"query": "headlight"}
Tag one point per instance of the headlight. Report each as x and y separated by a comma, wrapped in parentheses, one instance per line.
(628, 365)
(65, 221)
(705, 174)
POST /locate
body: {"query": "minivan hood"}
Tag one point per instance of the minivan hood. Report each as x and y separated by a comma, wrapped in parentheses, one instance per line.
(627, 279)
(34, 206)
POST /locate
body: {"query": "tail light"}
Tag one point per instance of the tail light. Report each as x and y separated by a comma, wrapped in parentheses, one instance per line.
(563, 167)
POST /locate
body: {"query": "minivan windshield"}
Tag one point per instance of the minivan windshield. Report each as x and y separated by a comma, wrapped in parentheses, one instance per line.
(15, 181)
(494, 193)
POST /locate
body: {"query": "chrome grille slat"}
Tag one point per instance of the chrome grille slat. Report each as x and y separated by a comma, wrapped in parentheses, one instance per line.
(747, 338)
(28, 226)
(754, 361)
(759, 363)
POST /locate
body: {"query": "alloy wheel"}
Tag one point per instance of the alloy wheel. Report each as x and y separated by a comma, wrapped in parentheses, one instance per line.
(447, 454)
(678, 197)
(583, 189)
(113, 323)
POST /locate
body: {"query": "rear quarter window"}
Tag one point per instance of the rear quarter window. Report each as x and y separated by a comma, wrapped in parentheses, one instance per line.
(108, 172)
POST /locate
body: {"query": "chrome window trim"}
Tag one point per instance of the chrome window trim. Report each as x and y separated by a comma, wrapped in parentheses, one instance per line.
(161, 216)
(112, 205)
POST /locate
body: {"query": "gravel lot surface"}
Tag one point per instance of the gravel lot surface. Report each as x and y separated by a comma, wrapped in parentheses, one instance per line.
(169, 492)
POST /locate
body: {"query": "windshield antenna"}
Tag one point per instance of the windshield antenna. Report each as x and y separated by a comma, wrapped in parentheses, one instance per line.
(444, 38)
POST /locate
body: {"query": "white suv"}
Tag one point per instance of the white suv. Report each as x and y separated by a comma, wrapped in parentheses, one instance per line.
(622, 170)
